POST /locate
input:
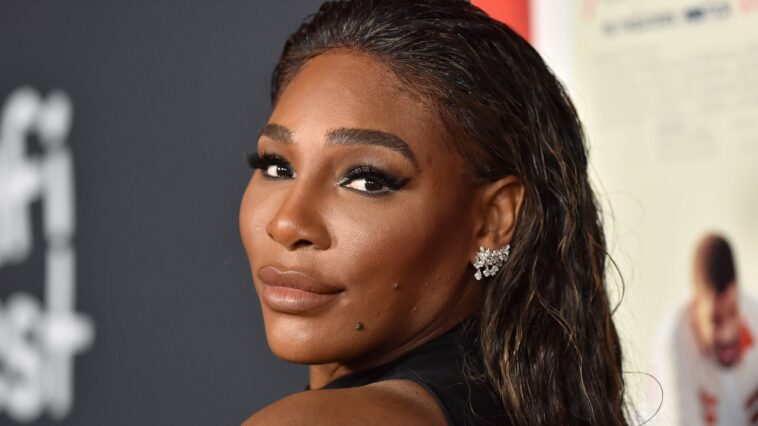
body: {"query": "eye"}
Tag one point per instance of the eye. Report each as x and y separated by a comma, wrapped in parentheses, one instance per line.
(276, 171)
(365, 185)
(372, 181)
(272, 166)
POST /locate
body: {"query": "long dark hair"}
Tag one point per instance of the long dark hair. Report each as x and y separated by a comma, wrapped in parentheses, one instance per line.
(549, 344)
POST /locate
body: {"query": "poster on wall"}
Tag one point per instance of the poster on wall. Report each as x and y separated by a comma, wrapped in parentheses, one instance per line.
(668, 92)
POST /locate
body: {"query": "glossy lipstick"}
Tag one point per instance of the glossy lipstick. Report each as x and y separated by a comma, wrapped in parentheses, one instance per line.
(293, 292)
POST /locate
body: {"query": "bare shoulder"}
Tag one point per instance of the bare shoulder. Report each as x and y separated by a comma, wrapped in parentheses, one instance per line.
(381, 403)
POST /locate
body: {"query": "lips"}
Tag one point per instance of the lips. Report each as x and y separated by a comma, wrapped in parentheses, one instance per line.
(294, 292)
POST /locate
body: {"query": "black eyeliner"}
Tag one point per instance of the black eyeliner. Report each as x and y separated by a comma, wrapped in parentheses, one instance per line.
(264, 161)
(258, 161)
(371, 173)
(375, 174)
(253, 160)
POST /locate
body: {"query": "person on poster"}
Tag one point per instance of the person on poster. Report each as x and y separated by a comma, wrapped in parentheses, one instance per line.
(713, 356)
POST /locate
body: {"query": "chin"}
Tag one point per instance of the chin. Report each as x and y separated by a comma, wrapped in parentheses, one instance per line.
(301, 340)
(298, 353)
(301, 352)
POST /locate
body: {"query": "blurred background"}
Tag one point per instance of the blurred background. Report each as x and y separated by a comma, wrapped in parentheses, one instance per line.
(125, 293)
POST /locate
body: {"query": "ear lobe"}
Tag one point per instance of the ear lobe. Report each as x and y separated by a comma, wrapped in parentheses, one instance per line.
(501, 202)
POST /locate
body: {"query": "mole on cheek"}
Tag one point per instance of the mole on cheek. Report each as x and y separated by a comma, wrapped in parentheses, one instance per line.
(359, 325)
(396, 286)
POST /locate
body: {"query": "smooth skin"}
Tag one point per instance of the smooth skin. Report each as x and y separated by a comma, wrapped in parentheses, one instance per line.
(400, 256)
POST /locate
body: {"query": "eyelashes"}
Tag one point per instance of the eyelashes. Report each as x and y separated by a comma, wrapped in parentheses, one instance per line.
(271, 165)
(366, 179)
(257, 161)
(371, 179)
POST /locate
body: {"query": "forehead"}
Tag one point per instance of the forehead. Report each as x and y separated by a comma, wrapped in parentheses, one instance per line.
(343, 88)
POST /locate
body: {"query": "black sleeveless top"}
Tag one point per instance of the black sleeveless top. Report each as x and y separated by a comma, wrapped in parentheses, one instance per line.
(438, 366)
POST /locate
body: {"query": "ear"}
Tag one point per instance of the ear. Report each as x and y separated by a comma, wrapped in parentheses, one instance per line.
(499, 205)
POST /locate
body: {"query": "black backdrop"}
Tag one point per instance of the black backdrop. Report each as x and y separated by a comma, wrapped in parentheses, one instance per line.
(167, 96)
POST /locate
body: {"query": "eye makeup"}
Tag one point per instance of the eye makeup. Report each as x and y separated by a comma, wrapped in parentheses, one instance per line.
(272, 165)
(367, 179)
(376, 181)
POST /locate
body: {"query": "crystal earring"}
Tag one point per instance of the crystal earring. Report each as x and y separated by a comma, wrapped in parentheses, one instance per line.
(491, 260)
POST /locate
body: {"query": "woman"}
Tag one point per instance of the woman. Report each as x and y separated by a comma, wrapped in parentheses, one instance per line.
(411, 145)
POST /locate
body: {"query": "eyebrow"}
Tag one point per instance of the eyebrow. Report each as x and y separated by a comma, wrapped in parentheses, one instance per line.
(277, 132)
(352, 136)
(348, 136)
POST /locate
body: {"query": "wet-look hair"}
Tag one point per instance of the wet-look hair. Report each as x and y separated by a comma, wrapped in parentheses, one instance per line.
(549, 346)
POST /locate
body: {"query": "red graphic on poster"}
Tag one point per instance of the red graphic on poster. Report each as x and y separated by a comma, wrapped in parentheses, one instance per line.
(708, 403)
(515, 13)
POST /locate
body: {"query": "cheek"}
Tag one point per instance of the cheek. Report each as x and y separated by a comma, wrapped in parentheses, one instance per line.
(415, 240)
(244, 214)
(256, 209)
(730, 329)
(703, 320)
(406, 242)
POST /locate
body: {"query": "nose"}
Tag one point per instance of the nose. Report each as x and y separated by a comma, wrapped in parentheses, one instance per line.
(298, 223)
(728, 331)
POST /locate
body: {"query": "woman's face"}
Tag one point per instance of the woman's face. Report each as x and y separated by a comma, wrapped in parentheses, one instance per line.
(356, 222)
